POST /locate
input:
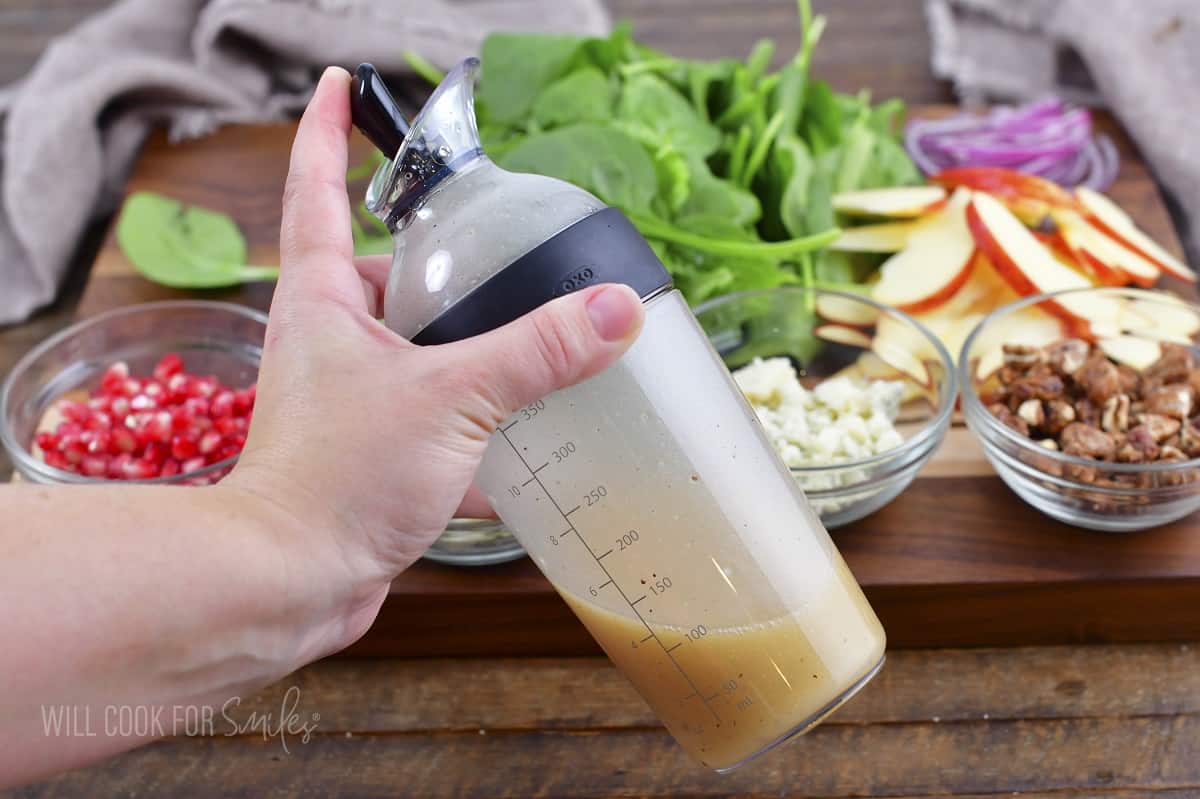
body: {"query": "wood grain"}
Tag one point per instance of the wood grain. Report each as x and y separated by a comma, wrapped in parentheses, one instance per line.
(523, 694)
(1119, 721)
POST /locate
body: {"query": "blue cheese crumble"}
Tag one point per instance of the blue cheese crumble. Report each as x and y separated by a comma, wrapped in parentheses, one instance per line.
(841, 419)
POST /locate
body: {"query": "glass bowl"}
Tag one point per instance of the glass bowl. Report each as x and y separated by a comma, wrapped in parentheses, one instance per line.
(828, 333)
(1097, 495)
(475, 542)
(215, 338)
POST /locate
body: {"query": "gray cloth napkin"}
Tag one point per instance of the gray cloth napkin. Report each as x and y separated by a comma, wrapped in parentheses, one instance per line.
(70, 129)
(1141, 58)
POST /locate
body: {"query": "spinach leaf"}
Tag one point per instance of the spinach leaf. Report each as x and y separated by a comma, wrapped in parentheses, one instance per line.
(650, 103)
(583, 96)
(184, 246)
(517, 66)
(604, 161)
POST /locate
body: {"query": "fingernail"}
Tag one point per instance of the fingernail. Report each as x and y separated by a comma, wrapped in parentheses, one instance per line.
(612, 311)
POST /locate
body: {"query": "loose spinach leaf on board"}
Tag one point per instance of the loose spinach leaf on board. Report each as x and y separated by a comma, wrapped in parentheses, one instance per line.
(184, 246)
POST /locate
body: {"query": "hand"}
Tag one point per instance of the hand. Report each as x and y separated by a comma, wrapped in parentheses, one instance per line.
(363, 439)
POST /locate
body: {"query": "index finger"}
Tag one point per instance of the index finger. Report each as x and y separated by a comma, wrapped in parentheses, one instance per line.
(315, 242)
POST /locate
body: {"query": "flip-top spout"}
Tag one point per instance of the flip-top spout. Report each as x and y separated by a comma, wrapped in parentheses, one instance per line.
(375, 112)
(441, 141)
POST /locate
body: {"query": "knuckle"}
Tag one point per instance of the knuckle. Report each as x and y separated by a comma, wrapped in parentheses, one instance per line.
(559, 346)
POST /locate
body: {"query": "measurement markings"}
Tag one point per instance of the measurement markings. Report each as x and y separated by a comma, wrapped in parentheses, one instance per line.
(676, 646)
(605, 555)
(647, 638)
(508, 427)
(568, 532)
(691, 684)
(605, 585)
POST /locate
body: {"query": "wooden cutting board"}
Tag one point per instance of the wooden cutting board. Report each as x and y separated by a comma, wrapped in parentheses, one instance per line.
(957, 560)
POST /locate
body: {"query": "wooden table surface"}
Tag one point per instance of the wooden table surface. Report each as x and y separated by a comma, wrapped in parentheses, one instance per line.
(1107, 720)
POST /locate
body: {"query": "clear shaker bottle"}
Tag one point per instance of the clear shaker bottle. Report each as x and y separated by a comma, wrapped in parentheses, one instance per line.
(648, 495)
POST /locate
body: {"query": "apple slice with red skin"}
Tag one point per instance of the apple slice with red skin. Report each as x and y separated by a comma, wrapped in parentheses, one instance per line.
(1028, 196)
(900, 202)
(1097, 272)
(1111, 261)
(935, 264)
(1109, 219)
(1030, 268)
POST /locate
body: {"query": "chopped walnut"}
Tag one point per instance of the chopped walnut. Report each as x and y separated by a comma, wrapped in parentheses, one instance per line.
(1099, 378)
(1174, 365)
(1086, 441)
(1007, 417)
(1175, 399)
(1066, 356)
(1114, 417)
(1140, 446)
(1038, 386)
(1059, 414)
(1159, 426)
(1189, 438)
(1031, 411)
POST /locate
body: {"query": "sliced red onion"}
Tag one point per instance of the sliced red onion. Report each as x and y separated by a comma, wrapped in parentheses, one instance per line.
(1045, 137)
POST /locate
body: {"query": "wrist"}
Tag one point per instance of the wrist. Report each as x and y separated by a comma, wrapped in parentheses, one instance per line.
(313, 595)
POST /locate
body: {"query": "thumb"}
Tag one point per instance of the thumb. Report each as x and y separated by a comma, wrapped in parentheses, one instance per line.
(554, 346)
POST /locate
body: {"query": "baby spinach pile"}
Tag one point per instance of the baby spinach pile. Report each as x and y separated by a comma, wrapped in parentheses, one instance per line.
(726, 167)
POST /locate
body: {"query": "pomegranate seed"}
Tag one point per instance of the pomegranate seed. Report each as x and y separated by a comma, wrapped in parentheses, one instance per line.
(238, 440)
(123, 440)
(183, 447)
(204, 386)
(99, 421)
(132, 387)
(114, 378)
(68, 429)
(158, 427)
(57, 460)
(94, 466)
(74, 451)
(209, 442)
(197, 406)
(139, 469)
(120, 407)
(154, 390)
(143, 402)
(222, 403)
(97, 441)
(192, 464)
(243, 401)
(116, 466)
(170, 468)
(228, 425)
(74, 411)
(200, 424)
(156, 452)
(181, 418)
(46, 440)
(168, 366)
(101, 403)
